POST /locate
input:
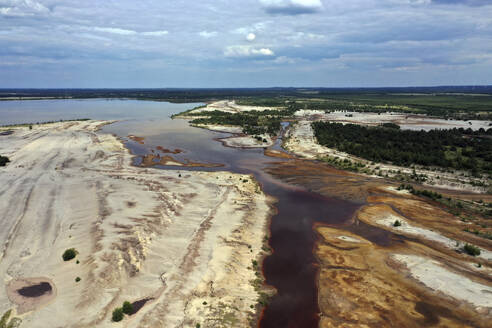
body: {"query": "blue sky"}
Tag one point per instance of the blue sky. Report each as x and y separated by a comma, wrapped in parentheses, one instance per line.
(247, 43)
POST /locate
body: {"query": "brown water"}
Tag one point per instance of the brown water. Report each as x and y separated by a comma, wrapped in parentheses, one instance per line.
(292, 268)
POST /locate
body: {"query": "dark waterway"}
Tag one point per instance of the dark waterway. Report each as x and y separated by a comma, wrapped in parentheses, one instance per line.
(291, 269)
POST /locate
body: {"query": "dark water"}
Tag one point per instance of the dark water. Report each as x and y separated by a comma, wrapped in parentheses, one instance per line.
(291, 268)
(35, 290)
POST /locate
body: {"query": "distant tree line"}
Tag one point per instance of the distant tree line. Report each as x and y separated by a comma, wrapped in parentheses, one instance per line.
(455, 148)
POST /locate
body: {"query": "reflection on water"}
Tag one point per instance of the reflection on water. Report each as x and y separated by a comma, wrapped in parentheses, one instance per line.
(292, 268)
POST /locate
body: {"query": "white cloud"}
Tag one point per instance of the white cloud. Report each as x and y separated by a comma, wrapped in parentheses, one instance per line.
(156, 33)
(250, 36)
(247, 51)
(207, 35)
(114, 30)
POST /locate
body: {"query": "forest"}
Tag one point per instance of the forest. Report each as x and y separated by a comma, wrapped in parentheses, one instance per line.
(455, 149)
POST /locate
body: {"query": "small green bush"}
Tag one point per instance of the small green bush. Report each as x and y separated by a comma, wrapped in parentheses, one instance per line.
(471, 250)
(127, 307)
(69, 254)
(77, 279)
(117, 314)
(4, 160)
(397, 223)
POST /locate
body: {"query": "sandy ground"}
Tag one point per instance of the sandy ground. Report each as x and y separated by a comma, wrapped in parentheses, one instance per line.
(181, 238)
(220, 128)
(300, 140)
(405, 121)
(245, 141)
(436, 277)
(230, 106)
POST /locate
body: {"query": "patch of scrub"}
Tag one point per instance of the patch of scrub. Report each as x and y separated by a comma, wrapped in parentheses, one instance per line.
(436, 277)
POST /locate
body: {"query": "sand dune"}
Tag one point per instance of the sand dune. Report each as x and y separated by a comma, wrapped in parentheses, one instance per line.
(182, 241)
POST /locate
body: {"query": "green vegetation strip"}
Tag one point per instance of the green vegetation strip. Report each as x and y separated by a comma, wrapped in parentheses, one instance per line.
(252, 122)
(455, 148)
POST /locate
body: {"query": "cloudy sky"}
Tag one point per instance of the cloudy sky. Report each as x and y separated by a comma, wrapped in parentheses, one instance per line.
(244, 43)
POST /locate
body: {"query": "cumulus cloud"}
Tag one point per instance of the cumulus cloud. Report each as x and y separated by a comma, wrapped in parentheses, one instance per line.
(291, 7)
(207, 34)
(247, 51)
(250, 36)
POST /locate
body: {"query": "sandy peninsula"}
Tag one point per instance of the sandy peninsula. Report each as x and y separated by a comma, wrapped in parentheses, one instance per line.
(178, 244)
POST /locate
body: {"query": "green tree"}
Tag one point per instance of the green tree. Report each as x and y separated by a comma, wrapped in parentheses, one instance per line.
(127, 308)
(117, 314)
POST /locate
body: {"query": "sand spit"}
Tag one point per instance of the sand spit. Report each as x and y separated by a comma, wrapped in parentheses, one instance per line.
(245, 141)
(229, 106)
(185, 240)
(434, 276)
(220, 128)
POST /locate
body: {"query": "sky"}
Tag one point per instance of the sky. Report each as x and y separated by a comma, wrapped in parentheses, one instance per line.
(244, 43)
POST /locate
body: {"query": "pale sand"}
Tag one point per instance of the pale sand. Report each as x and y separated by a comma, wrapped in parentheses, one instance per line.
(139, 232)
(245, 141)
(220, 128)
(408, 229)
(405, 121)
(230, 106)
(435, 276)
